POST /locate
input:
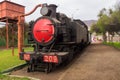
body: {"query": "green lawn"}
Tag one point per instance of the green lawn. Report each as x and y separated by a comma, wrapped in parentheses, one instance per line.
(114, 44)
(8, 61)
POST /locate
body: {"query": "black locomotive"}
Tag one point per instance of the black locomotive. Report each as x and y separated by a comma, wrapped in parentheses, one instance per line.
(56, 39)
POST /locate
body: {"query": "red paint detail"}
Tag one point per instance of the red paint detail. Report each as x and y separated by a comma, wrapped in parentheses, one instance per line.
(46, 59)
(43, 30)
(27, 57)
(55, 59)
(51, 59)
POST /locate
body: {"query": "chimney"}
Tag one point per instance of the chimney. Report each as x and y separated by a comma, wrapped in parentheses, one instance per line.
(53, 7)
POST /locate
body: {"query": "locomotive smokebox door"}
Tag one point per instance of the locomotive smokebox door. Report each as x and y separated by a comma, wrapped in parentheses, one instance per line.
(44, 31)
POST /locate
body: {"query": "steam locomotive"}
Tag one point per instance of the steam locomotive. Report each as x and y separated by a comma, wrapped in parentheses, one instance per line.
(56, 39)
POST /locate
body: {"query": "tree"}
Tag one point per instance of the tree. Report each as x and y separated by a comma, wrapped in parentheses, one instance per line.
(95, 29)
(13, 34)
(102, 12)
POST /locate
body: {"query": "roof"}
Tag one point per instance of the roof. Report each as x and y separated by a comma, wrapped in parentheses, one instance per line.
(11, 3)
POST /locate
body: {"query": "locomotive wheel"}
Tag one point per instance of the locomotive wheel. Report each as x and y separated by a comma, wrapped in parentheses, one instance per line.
(70, 56)
(31, 68)
(48, 68)
(28, 69)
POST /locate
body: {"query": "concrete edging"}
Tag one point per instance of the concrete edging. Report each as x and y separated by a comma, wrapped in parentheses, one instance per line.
(24, 76)
(13, 68)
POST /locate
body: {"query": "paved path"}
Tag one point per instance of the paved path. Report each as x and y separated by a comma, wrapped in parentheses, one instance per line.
(97, 62)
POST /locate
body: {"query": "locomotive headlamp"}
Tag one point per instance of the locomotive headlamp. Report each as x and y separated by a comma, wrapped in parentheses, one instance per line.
(45, 11)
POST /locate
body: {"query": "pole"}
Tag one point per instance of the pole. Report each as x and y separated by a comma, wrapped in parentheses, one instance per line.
(23, 26)
(19, 34)
(13, 40)
(7, 36)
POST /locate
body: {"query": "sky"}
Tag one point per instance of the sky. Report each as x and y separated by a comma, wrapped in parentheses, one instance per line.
(78, 9)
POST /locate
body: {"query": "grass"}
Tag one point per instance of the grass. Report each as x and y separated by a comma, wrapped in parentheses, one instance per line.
(5, 77)
(114, 44)
(8, 61)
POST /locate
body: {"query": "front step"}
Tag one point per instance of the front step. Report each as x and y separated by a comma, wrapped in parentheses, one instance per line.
(44, 67)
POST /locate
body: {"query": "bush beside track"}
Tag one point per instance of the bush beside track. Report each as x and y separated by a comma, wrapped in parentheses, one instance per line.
(114, 44)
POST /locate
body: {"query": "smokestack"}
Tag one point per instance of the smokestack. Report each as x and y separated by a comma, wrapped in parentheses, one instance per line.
(53, 7)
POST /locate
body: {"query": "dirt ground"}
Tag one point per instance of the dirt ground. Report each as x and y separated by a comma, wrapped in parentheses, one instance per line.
(97, 62)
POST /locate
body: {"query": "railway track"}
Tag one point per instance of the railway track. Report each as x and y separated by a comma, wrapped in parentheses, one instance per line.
(97, 62)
